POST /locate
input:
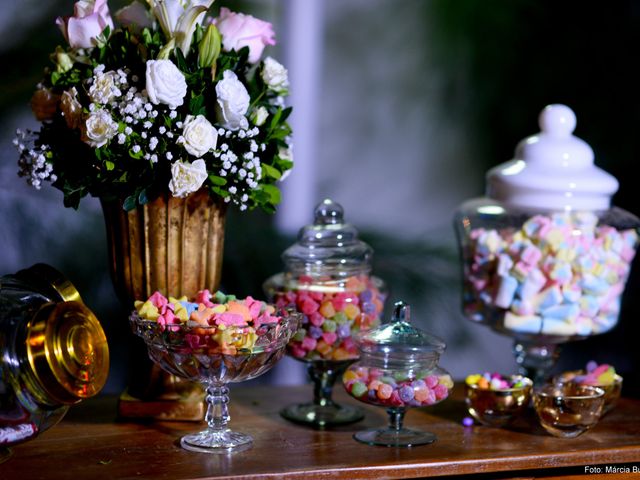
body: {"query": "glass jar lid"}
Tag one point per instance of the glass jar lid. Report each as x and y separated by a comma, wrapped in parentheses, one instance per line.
(553, 169)
(328, 246)
(399, 341)
(67, 351)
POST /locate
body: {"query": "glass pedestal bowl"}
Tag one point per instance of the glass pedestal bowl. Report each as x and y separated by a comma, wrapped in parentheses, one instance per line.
(216, 357)
(333, 311)
(398, 369)
(328, 279)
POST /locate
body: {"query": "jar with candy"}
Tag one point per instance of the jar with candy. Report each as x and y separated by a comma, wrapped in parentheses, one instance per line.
(53, 352)
(545, 257)
(398, 369)
(328, 279)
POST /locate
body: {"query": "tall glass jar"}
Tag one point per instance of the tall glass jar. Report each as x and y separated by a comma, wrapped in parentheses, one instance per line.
(545, 257)
(328, 278)
(53, 352)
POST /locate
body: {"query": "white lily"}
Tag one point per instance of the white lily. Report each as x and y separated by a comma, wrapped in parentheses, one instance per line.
(179, 18)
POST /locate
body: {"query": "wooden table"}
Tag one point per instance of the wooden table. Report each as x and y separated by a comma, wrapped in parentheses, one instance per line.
(90, 444)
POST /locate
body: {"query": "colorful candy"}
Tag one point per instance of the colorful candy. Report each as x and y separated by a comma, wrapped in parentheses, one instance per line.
(378, 387)
(494, 381)
(333, 312)
(594, 375)
(220, 323)
(561, 274)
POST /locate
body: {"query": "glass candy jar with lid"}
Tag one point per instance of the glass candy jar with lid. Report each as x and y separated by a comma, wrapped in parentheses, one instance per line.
(545, 257)
(328, 279)
(53, 352)
(398, 368)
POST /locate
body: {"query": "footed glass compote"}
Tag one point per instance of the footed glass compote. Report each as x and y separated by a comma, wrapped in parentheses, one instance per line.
(216, 356)
(328, 279)
(398, 369)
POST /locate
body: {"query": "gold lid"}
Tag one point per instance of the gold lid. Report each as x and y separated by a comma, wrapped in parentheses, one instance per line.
(67, 350)
(50, 282)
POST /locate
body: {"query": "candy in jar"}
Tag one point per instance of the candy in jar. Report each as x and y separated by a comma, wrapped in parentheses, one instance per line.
(545, 256)
(54, 352)
(398, 368)
(328, 279)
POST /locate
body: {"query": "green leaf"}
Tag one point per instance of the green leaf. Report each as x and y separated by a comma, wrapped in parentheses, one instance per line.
(271, 171)
(181, 62)
(216, 180)
(142, 198)
(129, 203)
(196, 104)
(273, 192)
(219, 191)
(109, 164)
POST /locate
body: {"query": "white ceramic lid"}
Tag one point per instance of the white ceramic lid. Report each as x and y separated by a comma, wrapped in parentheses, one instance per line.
(553, 169)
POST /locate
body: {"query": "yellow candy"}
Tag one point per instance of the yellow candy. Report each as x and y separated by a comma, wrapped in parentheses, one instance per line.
(554, 238)
(327, 310)
(351, 311)
(447, 381)
(349, 375)
(473, 379)
(148, 311)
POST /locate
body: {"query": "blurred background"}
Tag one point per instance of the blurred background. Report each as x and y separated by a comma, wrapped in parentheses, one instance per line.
(400, 106)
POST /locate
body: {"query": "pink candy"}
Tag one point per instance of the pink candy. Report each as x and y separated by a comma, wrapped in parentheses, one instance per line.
(557, 275)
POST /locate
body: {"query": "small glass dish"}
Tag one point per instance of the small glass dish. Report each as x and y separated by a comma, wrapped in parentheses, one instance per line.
(568, 410)
(498, 407)
(398, 369)
(214, 357)
(612, 390)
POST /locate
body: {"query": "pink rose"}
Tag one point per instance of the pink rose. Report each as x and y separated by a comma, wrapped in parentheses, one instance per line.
(90, 17)
(239, 30)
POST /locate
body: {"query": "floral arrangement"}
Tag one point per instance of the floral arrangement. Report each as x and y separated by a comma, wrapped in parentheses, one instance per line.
(171, 99)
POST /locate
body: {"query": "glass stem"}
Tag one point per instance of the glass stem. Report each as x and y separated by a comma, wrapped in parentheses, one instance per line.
(323, 381)
(396, 418)
(217, 415)
(535, 361)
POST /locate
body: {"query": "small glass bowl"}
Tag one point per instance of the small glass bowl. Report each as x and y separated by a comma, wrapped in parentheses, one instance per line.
(612, 391)
(568, 410)
(498, 408)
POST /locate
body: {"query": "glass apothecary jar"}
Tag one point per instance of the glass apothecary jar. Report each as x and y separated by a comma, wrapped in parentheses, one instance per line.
(328, 279)
(398, 368)
(545, 257)
(53, 352)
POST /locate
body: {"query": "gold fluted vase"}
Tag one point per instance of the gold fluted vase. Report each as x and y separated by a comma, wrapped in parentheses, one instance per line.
(174, 246)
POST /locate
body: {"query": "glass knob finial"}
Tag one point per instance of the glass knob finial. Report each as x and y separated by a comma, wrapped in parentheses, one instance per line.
(401, 312)
(328, 212)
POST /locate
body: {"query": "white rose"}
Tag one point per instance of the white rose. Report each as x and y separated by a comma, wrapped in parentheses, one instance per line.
(274, 74)
(104, 88)
(165, 83)
(198, 135)
(233, 102)
(259, 116)
(286, 154)
(99, 128)
(187, 177)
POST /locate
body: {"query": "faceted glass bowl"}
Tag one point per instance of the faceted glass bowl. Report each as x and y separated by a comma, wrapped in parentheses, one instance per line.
(498, 408)
(215, 357)
(568, 410)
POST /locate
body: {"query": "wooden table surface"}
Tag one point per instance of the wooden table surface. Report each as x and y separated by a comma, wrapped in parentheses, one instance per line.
(90, 444)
